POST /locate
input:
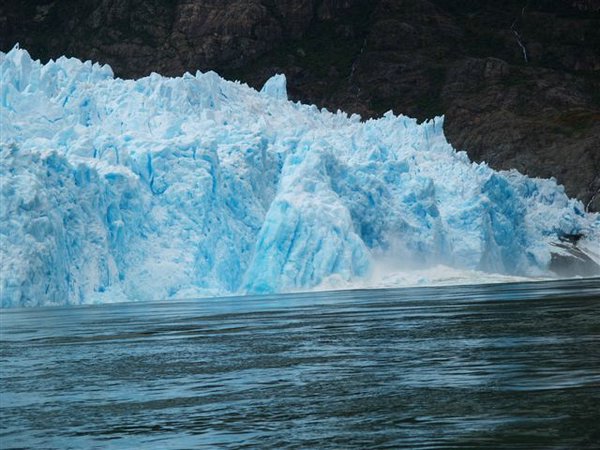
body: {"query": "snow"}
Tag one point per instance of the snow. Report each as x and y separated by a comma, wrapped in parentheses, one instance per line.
(196, 186)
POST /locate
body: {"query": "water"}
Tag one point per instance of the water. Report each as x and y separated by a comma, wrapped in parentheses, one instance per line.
(495, 366)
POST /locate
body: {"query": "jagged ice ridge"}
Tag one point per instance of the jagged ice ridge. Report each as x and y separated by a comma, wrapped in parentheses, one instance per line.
(164, 188)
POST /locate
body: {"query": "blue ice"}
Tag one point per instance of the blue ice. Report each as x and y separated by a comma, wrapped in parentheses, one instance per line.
(163, 188)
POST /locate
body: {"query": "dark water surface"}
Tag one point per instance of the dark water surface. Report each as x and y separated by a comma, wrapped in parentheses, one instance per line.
(497, 366)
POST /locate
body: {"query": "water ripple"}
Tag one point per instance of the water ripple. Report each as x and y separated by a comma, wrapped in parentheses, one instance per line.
(501, 366)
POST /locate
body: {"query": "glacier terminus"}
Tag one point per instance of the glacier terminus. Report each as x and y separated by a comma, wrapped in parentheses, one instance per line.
(164, 188)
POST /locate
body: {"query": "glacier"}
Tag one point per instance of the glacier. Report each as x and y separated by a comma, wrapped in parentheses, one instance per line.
(163, 188)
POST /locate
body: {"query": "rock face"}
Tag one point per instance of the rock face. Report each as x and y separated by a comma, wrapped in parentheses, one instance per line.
(518, 81)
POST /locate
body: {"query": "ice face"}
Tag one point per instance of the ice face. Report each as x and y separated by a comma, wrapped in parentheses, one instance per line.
(276, 87)
(179, 187)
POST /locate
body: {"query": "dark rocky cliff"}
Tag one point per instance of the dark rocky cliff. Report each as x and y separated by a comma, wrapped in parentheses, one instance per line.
(518, 81)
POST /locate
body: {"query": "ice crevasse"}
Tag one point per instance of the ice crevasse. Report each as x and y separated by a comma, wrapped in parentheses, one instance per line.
(163, 188)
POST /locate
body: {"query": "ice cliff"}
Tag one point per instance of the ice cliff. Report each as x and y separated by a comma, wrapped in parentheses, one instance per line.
(164, 188)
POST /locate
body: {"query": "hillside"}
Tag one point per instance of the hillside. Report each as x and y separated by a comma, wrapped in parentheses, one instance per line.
(519, 83)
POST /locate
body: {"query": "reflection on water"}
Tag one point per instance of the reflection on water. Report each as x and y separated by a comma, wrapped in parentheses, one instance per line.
(498, 366)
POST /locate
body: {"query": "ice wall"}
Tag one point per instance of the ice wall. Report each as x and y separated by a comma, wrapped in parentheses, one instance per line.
(177, 187)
